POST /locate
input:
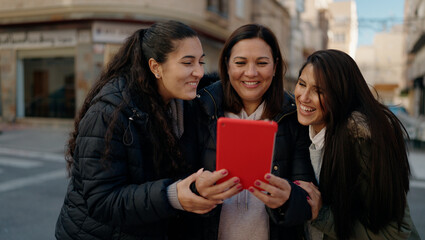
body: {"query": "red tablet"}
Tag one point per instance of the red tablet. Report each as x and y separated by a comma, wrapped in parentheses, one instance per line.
(245, 148)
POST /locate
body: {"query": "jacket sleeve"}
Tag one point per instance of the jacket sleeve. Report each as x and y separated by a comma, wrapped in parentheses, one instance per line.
(301, 163)
(110, 195)
(325, 220)
(297, 210)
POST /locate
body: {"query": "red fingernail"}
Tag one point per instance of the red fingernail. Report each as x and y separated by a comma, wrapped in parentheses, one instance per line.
(268, 176)
(296, 182)
(237, 180)
(251, 189)
(239, 187)
(257, 183)
(308, 198)
(224, 172)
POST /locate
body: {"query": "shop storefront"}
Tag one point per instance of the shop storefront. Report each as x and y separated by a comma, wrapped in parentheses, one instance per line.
(46, 71)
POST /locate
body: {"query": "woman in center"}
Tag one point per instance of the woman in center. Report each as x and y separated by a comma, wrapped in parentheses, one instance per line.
(251, 70)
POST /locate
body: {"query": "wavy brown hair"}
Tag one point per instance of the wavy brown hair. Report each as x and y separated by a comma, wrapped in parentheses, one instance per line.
(131, 64)
(345, 91)
(274, 96)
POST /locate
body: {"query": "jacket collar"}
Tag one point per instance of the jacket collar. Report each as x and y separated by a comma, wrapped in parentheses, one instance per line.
(288, 106)
(211, 99)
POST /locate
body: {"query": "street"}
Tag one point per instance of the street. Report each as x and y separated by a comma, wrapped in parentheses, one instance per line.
(33, 184)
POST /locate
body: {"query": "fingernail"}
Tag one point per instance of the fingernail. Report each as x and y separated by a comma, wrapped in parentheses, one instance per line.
(257, 183)
(239, 187)
(224, 172)
(251, 189)
(308, 198)
(268, 176)
(297, 183)
(237, 180)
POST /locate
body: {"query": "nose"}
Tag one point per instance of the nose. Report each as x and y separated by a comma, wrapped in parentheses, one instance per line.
(251, 70)
(198, 71)
(305, 95)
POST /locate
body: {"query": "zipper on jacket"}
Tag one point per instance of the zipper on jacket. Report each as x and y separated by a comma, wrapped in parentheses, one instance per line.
(215, 105)
(128, 140)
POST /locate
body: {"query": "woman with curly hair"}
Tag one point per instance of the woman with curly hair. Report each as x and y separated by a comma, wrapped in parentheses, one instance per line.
(124, 156)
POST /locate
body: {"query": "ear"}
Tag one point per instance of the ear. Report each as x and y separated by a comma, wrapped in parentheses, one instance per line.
(155, 67)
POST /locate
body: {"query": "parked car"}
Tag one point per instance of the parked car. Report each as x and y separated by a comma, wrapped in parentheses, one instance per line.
(415, 126)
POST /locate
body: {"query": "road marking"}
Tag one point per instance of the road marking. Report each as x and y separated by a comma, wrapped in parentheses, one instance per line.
(18, 163)
(51, 157)
(417, 184)
(33, 180)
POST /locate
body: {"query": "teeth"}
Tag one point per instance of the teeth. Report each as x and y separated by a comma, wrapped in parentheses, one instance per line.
(250, 83)
(304, 108)
(193, 83)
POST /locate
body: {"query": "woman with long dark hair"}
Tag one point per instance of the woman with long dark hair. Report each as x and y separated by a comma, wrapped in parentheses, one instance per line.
(358, 153)
(124, 156)
(252, 69)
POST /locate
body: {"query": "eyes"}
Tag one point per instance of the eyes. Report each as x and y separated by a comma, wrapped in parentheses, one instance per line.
(314, 89)
(192, 62)
(243, 63)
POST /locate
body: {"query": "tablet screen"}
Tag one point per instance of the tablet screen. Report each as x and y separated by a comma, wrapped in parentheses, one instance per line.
(245, 148)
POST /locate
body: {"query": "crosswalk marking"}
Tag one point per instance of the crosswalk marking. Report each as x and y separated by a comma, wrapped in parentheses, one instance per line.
(32, 180)
(42, 156)
(18, 163)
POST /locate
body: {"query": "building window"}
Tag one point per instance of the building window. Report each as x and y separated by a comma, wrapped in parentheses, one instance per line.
(49, 88)
(220, 7)
(339, 37)
(240, 8)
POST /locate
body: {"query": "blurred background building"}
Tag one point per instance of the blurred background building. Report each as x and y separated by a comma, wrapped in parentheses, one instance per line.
(52, 51)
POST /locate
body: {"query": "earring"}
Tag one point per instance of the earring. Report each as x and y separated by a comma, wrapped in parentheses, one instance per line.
(157, 75)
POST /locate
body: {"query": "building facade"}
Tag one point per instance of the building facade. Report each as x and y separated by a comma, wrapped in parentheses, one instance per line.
(51, 52)
(383, 66)
(414, 19)
(343, 26)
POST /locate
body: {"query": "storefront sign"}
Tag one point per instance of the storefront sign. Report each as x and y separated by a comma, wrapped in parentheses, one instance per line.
(30, 39)
(104, 32)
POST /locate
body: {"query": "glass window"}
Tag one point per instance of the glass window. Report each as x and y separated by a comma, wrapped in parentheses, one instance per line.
(221, 7)
(49, 87)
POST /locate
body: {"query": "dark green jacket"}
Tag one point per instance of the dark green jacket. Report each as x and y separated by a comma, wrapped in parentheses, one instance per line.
(325, 221)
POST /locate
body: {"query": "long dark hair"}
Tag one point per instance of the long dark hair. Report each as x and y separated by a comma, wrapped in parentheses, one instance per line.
(273, 97)
(131, 64)
(345, 91)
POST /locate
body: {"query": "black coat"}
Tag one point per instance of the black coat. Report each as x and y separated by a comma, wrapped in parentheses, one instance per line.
(291, 161)
(122, 198)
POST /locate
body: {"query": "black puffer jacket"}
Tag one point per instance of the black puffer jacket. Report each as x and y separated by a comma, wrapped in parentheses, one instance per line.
(291, 161)
(127, 200)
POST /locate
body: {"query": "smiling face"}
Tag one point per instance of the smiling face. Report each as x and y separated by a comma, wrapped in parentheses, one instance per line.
(180, 74)
(251, 68)
(307, 97)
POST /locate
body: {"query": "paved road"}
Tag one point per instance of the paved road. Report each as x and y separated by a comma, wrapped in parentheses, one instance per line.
(33, 183)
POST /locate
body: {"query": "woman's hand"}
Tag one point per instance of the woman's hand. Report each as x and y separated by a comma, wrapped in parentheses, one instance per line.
(207, 187)
(314, 197)
(277, 191)
(190, 201)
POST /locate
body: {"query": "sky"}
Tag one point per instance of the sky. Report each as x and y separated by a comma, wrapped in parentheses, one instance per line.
(374, 15)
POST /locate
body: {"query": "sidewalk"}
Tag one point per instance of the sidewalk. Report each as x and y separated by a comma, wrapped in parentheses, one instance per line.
(50, 142)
